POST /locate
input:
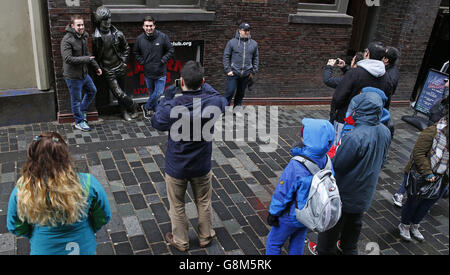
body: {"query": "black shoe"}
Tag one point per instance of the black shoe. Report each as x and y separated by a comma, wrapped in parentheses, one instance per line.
(126, 116)
(147, 113)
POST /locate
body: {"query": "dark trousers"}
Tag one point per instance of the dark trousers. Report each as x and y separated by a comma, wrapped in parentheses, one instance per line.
(415, 208)
(115, 78)
(347, 230)
(236, 84)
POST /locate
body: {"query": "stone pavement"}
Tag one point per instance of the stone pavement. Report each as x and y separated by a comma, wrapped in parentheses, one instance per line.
(128, 159)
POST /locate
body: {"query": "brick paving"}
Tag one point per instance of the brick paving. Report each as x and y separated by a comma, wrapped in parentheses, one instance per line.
(128, 159)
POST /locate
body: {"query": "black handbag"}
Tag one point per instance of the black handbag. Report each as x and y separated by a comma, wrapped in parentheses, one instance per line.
(418, 186)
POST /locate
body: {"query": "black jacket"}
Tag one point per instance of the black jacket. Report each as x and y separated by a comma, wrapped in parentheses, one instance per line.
(393, 73)
(153, 52)
(120, 45)
(75, 54)
(330, 80)
(369, 73)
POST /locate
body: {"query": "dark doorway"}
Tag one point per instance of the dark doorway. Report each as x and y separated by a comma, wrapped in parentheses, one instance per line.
(436, 53)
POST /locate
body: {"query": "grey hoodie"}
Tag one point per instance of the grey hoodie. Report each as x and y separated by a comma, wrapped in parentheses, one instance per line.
(241, 56)
(369, 73)
(374, 67)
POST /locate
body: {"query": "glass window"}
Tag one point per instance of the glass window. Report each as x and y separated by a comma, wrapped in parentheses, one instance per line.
(339, 6)
(153, 3)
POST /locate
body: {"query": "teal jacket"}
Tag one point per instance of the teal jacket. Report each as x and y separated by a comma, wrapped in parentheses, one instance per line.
(77, 238)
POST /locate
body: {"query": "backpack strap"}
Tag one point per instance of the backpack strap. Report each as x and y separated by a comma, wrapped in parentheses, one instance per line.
(87, 186)
(311, 166)
(328, 166)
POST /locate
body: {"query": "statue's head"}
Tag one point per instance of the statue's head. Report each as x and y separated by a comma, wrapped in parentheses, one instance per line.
(103, 18)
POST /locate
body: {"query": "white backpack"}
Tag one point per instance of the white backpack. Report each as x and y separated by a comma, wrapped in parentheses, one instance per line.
(324, 207)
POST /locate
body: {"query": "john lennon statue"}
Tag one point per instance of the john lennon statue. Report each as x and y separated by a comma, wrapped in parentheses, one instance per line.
(111, 51)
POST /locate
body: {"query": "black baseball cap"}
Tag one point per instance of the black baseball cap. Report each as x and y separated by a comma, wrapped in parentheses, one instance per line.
(244, 26)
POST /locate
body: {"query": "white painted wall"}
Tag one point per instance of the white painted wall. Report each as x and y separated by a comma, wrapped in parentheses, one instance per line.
(17, 65)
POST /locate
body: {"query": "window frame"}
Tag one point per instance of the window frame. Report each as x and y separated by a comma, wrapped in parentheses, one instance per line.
(340, 6)
(322, 14)
(154, 4)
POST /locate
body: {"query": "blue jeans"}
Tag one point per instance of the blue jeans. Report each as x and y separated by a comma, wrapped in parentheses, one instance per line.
(155, 90)
(238, 84)
(415, 208)
(80, 103)
(402, 189)
(278, 235)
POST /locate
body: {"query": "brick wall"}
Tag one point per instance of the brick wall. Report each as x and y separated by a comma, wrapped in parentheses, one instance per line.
(292, 56)
(59, 17)
(407, 25)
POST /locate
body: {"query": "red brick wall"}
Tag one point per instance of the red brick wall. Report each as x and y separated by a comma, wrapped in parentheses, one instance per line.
(407, 25)
(292, 56)
(59, 17)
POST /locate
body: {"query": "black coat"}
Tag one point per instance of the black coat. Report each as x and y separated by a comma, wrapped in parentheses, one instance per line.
(356, 79)
(121, 47)
(153, 52)
(393, 73)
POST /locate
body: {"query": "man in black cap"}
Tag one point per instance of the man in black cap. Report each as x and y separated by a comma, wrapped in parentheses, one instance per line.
(240, 61)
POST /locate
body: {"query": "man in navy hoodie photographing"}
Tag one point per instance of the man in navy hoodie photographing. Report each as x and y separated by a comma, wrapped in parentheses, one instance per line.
(188, 156)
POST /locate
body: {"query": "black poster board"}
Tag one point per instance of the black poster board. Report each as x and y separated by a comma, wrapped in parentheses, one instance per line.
(184, 51)
(432, 91)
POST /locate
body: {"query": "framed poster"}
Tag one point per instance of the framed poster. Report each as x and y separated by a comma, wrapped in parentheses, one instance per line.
(184, 51)
(432, 91)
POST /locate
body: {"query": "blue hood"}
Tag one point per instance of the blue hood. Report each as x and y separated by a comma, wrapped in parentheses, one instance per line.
(367, 108)
(318, 137)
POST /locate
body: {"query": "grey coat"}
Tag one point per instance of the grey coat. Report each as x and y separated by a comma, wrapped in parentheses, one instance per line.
(241, 56)
(75, 54)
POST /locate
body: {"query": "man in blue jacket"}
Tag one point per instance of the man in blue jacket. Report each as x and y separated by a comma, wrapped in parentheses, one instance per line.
(317, 136)
(188, 155)
(357, 165)
(240, 62)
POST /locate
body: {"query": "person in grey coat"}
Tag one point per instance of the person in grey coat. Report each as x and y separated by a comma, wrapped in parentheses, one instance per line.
(76, 58)
(240, 61)
(357, 165)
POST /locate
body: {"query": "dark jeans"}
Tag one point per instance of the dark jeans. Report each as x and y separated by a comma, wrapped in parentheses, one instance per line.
(115, 78)
(415, 208)
(347, 230)
(80, 103)
(238, 84)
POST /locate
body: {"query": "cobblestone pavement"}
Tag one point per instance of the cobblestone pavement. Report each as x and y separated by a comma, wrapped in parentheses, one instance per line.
(128, 159)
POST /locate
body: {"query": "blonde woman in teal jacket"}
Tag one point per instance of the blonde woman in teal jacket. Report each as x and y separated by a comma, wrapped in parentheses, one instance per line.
(57, 209)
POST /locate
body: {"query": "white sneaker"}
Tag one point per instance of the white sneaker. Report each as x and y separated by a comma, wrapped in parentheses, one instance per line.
(416, 233)
(398, 198)
(413, 104)
(404, 232)
(238, 111)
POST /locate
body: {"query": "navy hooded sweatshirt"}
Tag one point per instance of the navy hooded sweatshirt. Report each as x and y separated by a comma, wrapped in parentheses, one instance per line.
(189, 157)
(361, 155)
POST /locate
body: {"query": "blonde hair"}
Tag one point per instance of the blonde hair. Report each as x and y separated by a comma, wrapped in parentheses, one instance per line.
(49, 190)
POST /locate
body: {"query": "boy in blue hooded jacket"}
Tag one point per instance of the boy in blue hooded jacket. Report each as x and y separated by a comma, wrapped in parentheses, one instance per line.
(317, 136)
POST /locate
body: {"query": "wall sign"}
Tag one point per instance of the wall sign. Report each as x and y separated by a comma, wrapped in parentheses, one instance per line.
(184, 51)
(432, 91)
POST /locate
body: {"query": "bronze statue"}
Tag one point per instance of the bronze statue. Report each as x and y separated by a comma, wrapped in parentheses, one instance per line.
(111, 51)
